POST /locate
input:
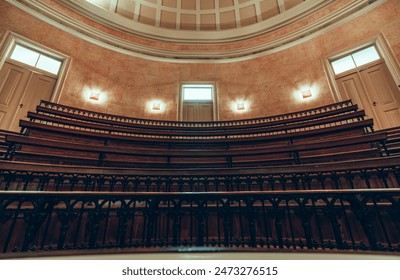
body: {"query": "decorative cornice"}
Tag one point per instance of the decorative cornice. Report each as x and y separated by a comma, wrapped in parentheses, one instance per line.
(79, 29)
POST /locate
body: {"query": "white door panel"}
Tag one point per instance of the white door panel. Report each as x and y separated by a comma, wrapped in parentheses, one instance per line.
(374, 90)
(13, 82)
(21, 91)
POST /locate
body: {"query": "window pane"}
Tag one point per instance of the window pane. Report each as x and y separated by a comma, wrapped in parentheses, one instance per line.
(343, 64)
(48, 64)
(25, 55)
(200, 92)
(365, 56)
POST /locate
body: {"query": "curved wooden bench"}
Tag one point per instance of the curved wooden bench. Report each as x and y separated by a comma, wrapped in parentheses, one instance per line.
(100, 155)
(330, 133)
(307, 183)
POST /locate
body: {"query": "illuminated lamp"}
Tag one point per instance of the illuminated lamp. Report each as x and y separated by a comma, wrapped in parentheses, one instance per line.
(156, 106)
(306, 93)
(94, 95)
(240, 106)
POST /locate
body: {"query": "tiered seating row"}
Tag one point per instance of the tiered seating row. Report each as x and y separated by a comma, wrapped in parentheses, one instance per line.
(331, 135)
(74, 113)
(309, 180)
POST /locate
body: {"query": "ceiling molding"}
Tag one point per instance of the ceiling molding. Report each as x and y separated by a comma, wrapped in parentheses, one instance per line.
(79, 29)
(198, 36)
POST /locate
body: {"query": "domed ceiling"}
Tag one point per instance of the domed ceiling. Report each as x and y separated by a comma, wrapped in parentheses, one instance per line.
(196, 30)
(196, 19)
(198, 15)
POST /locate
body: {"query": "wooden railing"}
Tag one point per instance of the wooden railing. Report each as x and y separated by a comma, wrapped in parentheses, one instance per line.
(92, 116)
(352, 220)
(62, 135)
(362, 174)
(320, 179)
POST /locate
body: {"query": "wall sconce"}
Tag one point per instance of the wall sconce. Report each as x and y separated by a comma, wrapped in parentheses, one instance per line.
(94, 95)
(240, 106)
(306, 93)
(156, 106)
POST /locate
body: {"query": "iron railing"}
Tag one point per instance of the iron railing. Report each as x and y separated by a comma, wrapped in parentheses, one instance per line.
(353, 220)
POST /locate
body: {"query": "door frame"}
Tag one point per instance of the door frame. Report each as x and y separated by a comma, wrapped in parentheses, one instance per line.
(214, 98)
(383, 49)
(11, 39)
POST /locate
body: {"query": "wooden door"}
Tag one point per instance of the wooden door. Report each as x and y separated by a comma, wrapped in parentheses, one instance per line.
(383, 94)
(198, 111)
(13, 82)
(374, 90)
(21, 91)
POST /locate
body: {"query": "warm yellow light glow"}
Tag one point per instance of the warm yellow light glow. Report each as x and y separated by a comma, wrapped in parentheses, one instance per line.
(155, 106)
(240, 106)
(306, 93)
(94, 95)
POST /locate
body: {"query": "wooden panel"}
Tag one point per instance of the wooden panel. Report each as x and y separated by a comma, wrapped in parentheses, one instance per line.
(189, 112)
(40, 87)
(351, 87)
(205, 112)
(383, 94)
(197, 111)
(13, 81)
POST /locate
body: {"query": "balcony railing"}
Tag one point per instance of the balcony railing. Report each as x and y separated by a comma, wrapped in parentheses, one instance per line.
(354, 220)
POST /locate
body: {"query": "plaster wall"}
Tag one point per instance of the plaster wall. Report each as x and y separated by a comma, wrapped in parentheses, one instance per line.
(268, 84)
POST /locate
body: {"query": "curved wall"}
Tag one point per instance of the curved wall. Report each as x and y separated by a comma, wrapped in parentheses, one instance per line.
(270, 84)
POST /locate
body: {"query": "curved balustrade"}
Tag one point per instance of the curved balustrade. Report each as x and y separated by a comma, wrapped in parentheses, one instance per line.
(365, 174)
(353, 220)
(319, 179)
(77, 113)
(60, 134)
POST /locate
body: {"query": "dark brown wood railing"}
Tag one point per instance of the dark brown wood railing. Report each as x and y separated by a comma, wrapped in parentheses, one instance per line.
(319, 179)
(61, 135)
(352, 220)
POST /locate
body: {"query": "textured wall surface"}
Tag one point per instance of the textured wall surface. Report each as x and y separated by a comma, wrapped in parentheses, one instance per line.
(269, 84)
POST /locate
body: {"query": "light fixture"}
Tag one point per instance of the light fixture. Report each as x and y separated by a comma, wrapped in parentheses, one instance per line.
(306, 93)
(240, 106)
(156, 106)
(94, 95)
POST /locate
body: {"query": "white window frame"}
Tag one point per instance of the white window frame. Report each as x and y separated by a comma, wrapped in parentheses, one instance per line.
(35, 67)
(213, 100)
(354, 61)
(12, 39)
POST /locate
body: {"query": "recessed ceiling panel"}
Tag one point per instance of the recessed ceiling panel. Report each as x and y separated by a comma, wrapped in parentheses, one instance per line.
(125, 8)
(200, 15)
(269, 8)
(248, 15)
(292, 3)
